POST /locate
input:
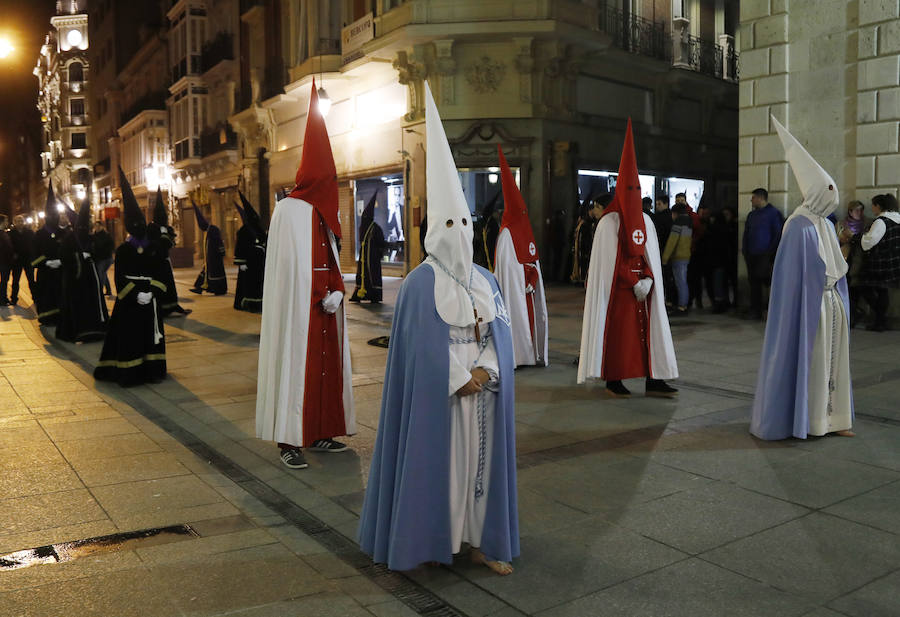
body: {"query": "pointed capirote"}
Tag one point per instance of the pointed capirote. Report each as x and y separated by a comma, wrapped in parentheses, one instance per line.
(515, 214)
(627, 200)
(316, 180)
(449, 235)
(820, 192)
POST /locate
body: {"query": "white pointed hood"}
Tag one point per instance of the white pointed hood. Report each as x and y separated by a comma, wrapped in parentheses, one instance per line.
(448, 239)
(820, 198)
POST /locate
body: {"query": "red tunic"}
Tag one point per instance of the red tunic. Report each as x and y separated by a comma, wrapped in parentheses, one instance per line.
(323, 399)
(626, 349)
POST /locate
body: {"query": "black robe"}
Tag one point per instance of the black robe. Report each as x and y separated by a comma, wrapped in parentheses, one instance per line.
(48, 281)
(212, 276)
(250, 251)
(162, 239)
(368, 268)
(83, 315)
(134, 351)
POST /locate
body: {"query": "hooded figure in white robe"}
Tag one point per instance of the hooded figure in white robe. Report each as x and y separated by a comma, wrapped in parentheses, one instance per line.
(518, 270)
(304, 392)
(443, 471)
(625, 333)
(804, 375)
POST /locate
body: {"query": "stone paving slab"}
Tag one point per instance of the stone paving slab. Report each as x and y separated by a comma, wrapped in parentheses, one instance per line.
(637, 507)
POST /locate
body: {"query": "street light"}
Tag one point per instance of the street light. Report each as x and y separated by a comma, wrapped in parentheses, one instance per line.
(6, 48)
(324, 102)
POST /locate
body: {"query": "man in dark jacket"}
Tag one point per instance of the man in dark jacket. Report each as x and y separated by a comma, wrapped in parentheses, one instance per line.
(662, 221)
(22, 237)
(762, 234)
(7, 257)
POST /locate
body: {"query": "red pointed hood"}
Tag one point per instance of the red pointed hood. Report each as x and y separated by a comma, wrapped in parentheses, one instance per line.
(317, 176)
(627, 201)
(515, 215)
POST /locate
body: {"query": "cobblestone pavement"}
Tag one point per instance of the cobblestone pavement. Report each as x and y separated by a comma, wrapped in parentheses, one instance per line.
(642, 507)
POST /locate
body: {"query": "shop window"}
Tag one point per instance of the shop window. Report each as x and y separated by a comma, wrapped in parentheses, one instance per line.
(389, 213)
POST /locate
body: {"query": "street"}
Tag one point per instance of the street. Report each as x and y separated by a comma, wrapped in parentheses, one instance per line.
(643, 507)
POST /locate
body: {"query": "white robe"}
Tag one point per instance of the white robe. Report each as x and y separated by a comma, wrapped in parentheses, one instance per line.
(530, 347)
(471, 436)
(285, 325)
(829, 370)
(601, 276)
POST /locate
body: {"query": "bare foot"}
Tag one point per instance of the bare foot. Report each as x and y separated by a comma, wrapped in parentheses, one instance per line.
(846, 433)
(499, 567)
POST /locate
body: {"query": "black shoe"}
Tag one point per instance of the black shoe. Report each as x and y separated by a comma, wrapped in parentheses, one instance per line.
(327, 445)
(194, 290)
(183, 311)
(660, 389)
(617, 389)
(293, 459)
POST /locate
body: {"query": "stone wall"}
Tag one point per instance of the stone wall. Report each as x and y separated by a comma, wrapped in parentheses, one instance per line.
(830, 70)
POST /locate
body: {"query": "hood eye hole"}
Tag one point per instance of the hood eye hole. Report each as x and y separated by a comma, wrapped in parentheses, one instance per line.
(465, 222)
(449, 223)
(830, 187)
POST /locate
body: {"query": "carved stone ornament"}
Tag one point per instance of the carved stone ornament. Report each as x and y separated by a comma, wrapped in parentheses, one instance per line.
(486, 75)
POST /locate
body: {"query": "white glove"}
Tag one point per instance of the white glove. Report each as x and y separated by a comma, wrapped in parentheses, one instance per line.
(242, 267)
(529, 289)
(162, 228)
(53, 264)
(642, 289)
(86, 255)
(144, 297)
(332, 301)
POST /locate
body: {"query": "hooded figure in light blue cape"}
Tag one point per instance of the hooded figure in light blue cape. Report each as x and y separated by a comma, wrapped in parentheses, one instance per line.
(443, 471)
(804, 375)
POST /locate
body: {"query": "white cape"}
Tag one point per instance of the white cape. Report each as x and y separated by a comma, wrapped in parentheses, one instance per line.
(596, 303)
(530, 347)
(285, 326)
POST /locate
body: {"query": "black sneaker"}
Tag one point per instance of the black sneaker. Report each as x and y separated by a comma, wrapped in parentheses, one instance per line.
(327, 445)
(660, 389)
(617, 389)
(293, 459)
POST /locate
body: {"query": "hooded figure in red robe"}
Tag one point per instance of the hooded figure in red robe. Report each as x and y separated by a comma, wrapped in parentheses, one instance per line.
(304, 394)
(518, 271)
(626, 333)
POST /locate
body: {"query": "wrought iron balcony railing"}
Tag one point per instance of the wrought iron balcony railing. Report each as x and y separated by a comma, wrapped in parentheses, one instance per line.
(635, 34)
(705, 57)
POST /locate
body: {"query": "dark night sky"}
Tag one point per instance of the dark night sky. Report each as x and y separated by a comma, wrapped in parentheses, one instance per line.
(25, 23)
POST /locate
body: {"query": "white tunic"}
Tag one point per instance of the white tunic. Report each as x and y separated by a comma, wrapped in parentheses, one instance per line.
(829, 370)
(471, 434)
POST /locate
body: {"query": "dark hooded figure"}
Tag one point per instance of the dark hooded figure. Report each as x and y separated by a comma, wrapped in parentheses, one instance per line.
(486, 231)
(47, 262)
(371, 250)
(82, 309)
(162, 238)
(582, 241)
(250, 258)
(134, 351)
(212, 276)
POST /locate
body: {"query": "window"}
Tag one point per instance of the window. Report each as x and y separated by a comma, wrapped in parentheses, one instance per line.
(76, 72)
(388, 212)
(79, 141)
(76, 107)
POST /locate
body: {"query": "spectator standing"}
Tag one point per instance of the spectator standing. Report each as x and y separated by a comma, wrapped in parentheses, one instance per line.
(678, 252)
(881, 269)
(722, 250)
(103, 246)
(850, 232)
(7, 257)
(22, 237)
(762, 233)
(662, 221)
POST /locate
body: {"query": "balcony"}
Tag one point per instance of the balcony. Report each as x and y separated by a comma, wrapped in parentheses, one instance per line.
(636, 35)
(217, 140)
(217, 50)
(152, 100)
(705, 57)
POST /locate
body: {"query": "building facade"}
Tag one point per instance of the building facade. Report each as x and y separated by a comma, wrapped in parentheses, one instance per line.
(551, 82)
(64, 84)
(830, 71)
